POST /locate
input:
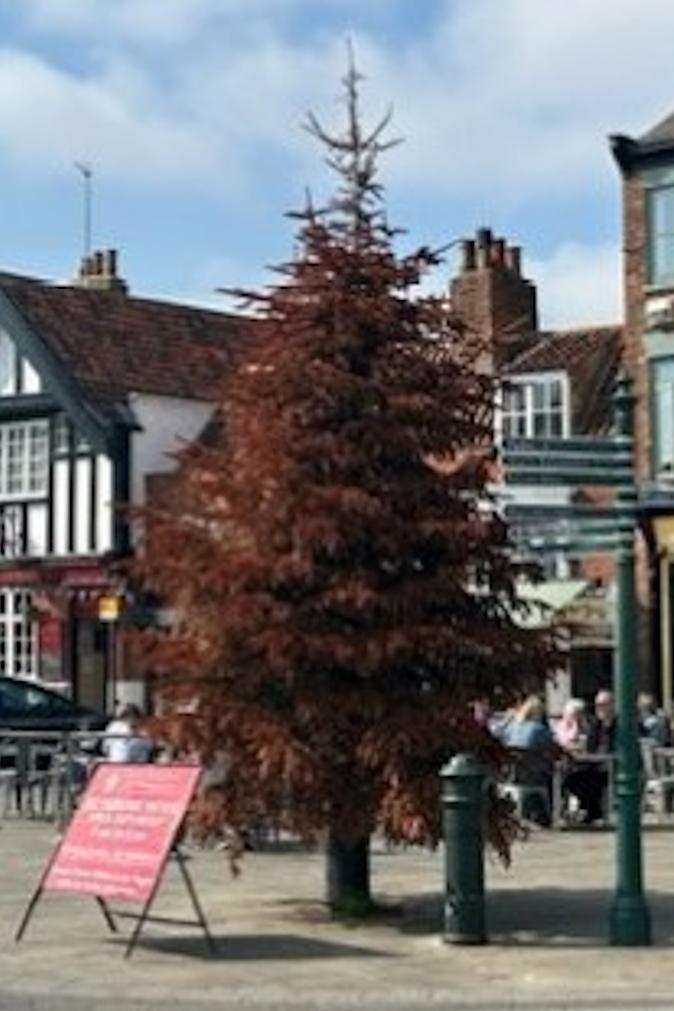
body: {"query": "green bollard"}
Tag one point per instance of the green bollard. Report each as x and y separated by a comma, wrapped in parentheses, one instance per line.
(463, 812)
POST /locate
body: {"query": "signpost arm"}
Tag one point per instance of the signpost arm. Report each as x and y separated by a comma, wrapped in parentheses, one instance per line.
(630, 918)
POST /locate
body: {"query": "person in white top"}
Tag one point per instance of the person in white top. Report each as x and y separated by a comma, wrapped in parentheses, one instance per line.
(127, 742)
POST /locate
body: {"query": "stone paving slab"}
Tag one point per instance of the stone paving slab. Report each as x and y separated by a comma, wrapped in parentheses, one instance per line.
(278, 949)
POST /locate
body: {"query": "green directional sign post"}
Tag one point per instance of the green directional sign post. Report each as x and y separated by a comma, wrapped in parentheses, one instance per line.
(630, 919)
(586, 529)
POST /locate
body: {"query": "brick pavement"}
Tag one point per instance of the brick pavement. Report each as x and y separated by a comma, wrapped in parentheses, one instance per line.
(278, 949)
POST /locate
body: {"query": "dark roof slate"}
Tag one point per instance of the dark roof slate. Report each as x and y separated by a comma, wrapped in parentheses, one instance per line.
(112, 344)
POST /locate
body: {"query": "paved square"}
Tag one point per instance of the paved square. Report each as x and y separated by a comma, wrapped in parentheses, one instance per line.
(277, 948)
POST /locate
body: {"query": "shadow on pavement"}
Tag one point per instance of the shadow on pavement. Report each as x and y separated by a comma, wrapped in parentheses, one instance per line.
(540, 917)
(249, 947)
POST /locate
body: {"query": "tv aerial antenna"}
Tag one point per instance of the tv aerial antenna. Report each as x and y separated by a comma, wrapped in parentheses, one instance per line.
(87, 172)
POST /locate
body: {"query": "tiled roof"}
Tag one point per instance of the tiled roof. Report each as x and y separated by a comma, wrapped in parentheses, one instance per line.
(112, 344)
(590, 356)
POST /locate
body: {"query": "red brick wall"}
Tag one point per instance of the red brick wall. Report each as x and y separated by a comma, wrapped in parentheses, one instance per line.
(634, 263)
(634, 245)
(492, 299)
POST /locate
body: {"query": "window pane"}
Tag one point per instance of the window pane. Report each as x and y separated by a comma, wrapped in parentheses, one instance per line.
(556, 425)
(24, 459)
(513, 398)
(664, 421)
(539, 390)
(663, 260)
(555, 388)
(540, 424)
(661, 235)
(662, 210)
(61, 434)
(18, 639)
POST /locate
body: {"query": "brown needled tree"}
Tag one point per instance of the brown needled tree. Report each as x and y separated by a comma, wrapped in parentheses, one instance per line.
(341, 587)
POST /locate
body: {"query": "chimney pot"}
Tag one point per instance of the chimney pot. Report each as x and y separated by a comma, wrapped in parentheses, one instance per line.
(483, 238)
(513, 260)
(110, 261)
(98, 272)
(498, 251)
(467, 255)
(482, 257)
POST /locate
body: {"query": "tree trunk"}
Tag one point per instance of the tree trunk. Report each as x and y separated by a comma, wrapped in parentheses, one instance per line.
(348, 875)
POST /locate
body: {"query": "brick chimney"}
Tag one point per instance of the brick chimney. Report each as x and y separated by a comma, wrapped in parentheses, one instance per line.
(98, 272)
(493, 300)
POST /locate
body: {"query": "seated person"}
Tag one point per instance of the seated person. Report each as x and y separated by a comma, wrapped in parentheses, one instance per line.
(127, 742)
(653, 724)
(589, 781)
(528, 734)
(571, 730)
(527, 729)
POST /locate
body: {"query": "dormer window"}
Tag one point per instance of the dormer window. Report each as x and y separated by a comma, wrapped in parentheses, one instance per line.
(535, 407)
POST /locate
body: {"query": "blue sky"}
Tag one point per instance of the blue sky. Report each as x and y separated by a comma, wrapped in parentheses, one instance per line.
(190, 113)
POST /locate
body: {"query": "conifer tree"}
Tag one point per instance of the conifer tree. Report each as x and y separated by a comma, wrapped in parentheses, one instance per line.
(341, 586)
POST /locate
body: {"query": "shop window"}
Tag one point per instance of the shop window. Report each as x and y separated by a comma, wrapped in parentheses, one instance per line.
(18, 635)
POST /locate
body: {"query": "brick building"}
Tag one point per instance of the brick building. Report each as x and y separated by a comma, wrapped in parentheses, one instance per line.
(556, 384)
(647, 168)
(97, 389)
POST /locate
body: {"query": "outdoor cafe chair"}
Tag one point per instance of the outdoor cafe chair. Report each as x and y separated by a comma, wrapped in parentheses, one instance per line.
(9, 778)
(528, 785)
(39, 778)
(658, 766)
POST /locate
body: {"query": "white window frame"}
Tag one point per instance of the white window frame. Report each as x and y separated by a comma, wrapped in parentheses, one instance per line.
(23, 648)
(527, 381)
(36, 429)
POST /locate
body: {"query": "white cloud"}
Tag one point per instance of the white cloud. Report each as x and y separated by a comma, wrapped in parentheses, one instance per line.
(498, 95)
(141, 21)
(578, 284)
(511, 99)
(159, 23)
(49, 118)
(507, 96)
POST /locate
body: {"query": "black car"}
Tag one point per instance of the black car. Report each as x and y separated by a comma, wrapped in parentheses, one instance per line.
(25, 705)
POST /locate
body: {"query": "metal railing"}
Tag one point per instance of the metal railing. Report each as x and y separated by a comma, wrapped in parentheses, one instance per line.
(42, 772)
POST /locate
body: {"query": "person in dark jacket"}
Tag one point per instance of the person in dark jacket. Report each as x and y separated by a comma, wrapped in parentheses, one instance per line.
(589, 780)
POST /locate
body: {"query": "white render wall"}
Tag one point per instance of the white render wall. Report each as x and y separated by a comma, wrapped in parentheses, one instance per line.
(166, 424)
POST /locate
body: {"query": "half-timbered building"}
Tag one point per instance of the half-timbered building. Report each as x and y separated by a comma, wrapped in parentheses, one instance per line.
(97, 388)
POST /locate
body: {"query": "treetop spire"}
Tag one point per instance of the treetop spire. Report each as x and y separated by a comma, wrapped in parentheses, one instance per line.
(354, 152)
